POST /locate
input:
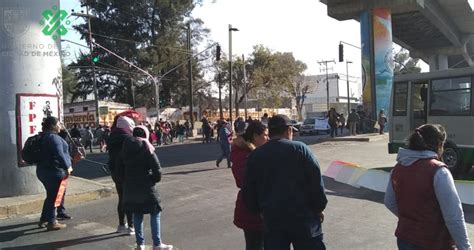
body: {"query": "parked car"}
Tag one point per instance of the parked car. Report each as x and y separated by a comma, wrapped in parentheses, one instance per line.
(315, 125)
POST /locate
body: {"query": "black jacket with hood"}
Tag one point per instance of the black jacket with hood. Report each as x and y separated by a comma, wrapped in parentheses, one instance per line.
(139, 170)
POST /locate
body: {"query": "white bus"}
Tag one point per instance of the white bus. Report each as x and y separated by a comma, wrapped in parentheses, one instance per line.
(441, 97)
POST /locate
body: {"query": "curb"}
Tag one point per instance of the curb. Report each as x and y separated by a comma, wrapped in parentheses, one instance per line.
(31, 204)
(360, 138)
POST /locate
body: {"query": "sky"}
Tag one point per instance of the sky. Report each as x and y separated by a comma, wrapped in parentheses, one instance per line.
(300, 26)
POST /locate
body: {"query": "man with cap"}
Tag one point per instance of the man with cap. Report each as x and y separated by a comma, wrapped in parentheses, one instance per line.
(283, 183)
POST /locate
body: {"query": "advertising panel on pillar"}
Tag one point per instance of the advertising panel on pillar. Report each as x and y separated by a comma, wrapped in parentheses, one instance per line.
(31, 110)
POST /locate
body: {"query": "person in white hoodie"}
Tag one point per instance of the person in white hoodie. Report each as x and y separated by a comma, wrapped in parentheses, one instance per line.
(421, 193)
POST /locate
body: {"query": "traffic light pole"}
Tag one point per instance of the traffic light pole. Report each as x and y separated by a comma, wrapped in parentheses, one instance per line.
(190, 76)
(156, 80)
(94, 77)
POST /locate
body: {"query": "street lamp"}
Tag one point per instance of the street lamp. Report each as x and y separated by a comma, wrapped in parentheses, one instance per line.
(230, 72)
(348, 94)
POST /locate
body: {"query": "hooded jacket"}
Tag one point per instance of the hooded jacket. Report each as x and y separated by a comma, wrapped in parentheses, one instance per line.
(444, 191)
(139, 170)
(243, 218)
(121, 130)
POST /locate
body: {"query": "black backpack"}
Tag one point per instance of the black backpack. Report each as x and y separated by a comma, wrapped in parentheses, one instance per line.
(31, 152)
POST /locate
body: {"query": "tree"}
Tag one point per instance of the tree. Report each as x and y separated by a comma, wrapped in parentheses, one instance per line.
(298, 89)
(404, 64)
(151, 35)
(69, 82)
(269, 74)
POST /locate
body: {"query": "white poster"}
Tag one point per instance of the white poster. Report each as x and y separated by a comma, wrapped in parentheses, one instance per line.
(31, 109)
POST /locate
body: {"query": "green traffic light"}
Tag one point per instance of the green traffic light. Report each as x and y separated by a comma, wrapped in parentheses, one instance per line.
(95, 59)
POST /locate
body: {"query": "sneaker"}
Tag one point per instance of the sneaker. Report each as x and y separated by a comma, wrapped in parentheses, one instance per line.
(55, 226)
(122, 229)
(42, 224)
(131, 231)
(63, 217)
(140, 247)
(163, 247)
(217, 164)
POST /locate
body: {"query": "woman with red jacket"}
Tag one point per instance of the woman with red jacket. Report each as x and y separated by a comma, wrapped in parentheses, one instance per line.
(255, 135)
(421, 193)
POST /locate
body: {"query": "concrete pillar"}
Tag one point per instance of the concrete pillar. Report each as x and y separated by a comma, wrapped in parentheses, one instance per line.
(438, 62)
(30, 87)
(377, 60)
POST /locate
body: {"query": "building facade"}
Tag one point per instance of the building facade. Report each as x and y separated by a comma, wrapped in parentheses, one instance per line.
(83, 113)
(316, 100)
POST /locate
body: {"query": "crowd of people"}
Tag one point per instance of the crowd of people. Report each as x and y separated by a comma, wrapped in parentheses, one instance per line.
(281, 198)
(357, 122)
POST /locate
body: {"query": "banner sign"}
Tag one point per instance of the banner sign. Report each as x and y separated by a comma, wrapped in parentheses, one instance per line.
(31, 109)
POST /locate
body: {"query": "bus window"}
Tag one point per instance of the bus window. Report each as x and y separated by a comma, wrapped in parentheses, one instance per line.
(450, 97)
(400, 99)
(418, 103)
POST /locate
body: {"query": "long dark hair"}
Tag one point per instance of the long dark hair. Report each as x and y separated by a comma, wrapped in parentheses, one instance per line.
(48, 123)
(427, 137)
(255, 128)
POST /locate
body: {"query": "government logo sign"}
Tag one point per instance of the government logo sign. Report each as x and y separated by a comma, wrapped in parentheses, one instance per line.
(14, 23)
(53, 20)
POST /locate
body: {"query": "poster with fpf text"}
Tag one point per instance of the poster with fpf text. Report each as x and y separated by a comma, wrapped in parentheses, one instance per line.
(31, 109)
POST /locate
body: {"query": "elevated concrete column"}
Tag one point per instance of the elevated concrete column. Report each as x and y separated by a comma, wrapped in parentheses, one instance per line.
(30, 87)
(377, 60)
(438, 62)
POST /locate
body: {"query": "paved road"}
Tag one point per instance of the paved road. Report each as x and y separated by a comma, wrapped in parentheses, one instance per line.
(199, 201)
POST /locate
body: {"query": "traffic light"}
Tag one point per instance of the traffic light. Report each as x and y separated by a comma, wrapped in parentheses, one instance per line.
(95, 57)
(165, 98)
(341, 52)
(218, 52)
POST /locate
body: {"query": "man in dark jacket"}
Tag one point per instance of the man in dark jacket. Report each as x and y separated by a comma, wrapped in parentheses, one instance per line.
(284, 184)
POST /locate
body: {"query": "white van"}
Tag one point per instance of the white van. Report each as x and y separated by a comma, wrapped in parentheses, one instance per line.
(315, 125)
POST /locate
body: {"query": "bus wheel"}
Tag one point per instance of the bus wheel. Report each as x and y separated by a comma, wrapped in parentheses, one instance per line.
(452, 158)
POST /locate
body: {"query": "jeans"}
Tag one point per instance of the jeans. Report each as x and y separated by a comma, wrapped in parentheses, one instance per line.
(404, 245)
(353, 128)
(88, 145)
(382, 127)
(225, 154)
(333, 130)
(303, 237)
(51, 180)
(155, 228)
(253, 240)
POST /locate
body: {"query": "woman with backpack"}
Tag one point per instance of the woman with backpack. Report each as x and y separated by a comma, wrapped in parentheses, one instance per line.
(139, 170)
(53, 166)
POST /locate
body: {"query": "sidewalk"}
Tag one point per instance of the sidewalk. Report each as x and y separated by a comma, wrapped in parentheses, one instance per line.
(79, 190)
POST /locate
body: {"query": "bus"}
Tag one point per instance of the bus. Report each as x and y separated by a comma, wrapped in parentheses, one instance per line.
(440, 97)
